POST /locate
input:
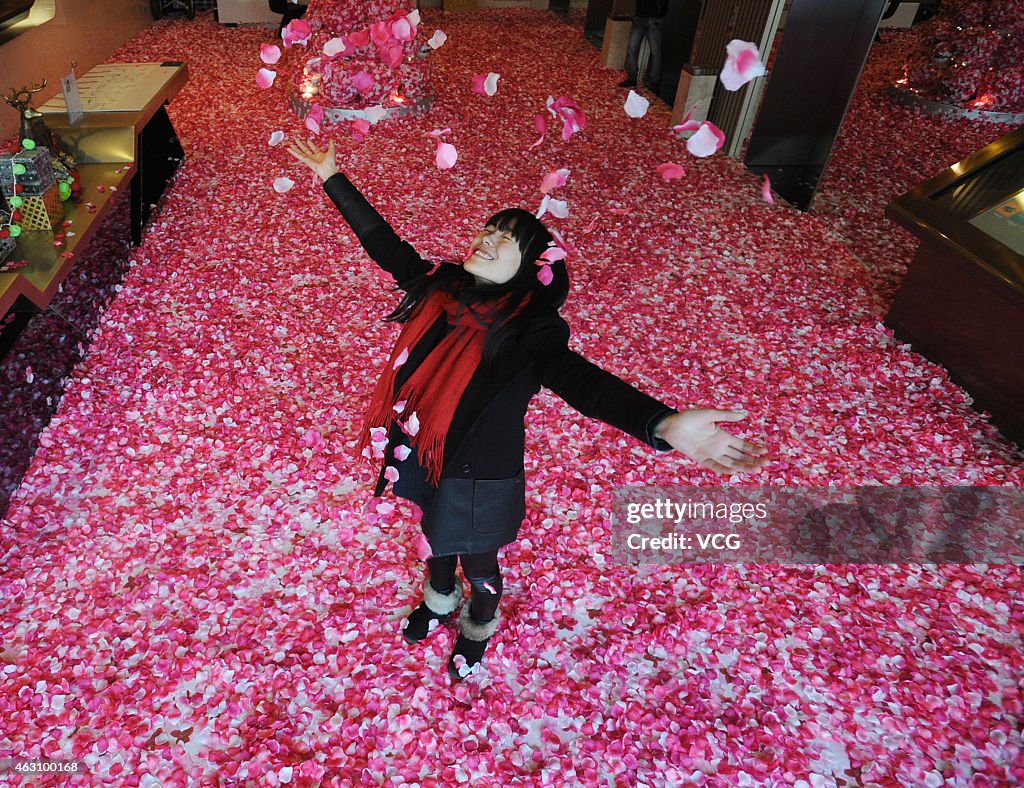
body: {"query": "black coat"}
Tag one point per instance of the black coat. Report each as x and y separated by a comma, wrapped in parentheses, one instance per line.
(480, 501)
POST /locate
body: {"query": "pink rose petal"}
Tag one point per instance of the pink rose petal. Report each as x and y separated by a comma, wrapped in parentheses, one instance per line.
(670, 170)
(742, 64)
(636, 105)
(275, 138)
(554, 180)
(295, 32)
(707, 141)
(766, 190)
(270, 53)
(545, 275)
(314, 118)
(265, 77)
(402, 453)
(446, 155)
(437, 40)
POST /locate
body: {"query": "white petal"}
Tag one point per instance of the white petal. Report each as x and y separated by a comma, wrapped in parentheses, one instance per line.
(281, 185)
(636, 105)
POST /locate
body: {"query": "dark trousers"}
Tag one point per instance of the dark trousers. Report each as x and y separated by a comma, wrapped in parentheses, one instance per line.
(483, 575)
(644, 27)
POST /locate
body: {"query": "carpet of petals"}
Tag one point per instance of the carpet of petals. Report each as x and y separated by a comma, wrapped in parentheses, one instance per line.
(198, 587)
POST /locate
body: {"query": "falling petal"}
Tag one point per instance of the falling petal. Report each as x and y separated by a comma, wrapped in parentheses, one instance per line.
(363, 81)
(270, 53)
(276, 138)
(378, 434)
(592, 225)
(335, 47)
(446, 155)
(438, 132)
(742, 64)
(391, 474)
(489, 587)
(554, 180)
(706, 141)
(412, 426)
(402, 358)
(545, 276)
(491, 84)
(544, 203)
(558, 208)
(553, 253)
(414, 17)
(766, 190)
(281, 185)
(636, 105)
(402, 453)
(670, 170)
(314, 118)
(399, 406)
(687, 124)
(297, 31)
(265, 77)
(423, 551)
(437, 40)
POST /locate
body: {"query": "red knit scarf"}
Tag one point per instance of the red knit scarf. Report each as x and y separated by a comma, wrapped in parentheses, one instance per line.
(434, 389)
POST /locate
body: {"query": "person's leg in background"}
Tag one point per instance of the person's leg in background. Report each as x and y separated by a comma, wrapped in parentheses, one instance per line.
(636, 38)
(654, 29)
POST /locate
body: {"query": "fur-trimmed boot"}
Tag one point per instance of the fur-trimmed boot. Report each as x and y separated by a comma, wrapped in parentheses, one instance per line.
(433, 610)
(470, 646)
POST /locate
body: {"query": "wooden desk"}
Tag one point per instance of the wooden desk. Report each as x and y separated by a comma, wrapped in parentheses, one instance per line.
(47, 267)
(961, 303)
(125, 139)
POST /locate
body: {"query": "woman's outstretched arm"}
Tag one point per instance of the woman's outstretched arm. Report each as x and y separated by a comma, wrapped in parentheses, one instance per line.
(377, 237)
(599, 394)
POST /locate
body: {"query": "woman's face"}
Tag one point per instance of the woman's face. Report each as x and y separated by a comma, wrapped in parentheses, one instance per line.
(494, 257)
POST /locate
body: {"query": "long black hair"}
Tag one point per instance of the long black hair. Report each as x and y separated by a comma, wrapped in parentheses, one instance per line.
(533, 239)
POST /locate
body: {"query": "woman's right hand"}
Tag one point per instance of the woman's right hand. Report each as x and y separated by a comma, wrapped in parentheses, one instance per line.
(319, 161)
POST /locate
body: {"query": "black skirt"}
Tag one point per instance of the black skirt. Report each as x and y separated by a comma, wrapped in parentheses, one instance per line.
(462, 516)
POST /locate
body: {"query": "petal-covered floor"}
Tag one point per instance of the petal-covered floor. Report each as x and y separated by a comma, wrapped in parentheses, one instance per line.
(198, 588)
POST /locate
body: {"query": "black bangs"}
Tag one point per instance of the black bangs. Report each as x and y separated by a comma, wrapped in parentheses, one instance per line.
(530, 233)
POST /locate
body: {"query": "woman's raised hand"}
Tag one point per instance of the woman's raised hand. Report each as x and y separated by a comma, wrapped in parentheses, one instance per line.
(697, 435)
(319, 161)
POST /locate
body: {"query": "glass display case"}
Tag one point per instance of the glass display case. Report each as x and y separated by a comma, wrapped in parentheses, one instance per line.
(961, 303)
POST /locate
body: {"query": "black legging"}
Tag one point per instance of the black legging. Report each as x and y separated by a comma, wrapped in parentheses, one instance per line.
(484, 576)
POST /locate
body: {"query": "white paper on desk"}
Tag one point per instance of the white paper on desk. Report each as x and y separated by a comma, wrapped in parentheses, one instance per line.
(69, 86)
